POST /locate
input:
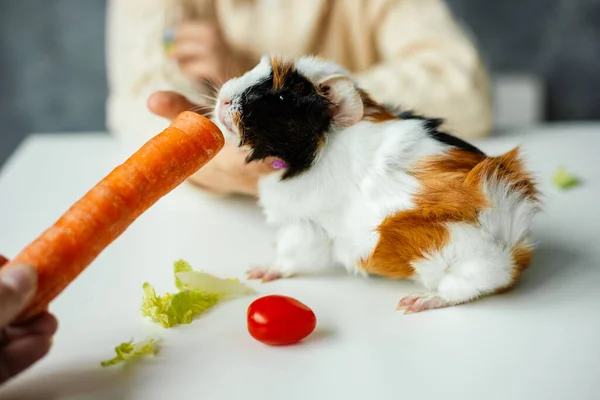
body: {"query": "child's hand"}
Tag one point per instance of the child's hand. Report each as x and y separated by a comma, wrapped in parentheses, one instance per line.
(21, 345)
(200, 52)
(227, 172)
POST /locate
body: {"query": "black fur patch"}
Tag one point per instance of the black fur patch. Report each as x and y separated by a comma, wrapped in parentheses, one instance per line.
(289, 123)
(432, 125)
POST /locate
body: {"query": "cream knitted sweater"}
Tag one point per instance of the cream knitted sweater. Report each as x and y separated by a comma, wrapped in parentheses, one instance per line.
(410, 53)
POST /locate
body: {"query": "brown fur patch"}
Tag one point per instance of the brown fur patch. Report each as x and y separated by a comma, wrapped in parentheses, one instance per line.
(507, 168)
(235, 120)
(450, 192)
(523, 255)
(281, 70)
(374, 111)
(404, 238)
(445, 194)
(522, 258)
(444, 197)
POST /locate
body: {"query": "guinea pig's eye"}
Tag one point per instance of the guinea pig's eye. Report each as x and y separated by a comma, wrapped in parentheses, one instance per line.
(281, 97)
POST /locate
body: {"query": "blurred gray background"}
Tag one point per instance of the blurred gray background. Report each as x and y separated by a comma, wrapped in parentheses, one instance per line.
(545, 55)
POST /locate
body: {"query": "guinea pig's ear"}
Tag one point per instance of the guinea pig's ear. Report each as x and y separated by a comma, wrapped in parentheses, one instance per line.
(347, 103)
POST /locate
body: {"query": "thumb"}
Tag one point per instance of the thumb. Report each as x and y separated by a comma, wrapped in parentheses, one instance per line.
(17, 286)
(168, 104)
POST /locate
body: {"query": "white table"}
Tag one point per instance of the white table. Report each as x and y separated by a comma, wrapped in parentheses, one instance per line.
(541, 341)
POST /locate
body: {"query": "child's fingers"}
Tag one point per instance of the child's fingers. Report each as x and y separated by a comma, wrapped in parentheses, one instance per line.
(17, 287)
(20, 354)
(186, 51)
(44, 324)
(198, 68)
(169, 104)
(200, 31)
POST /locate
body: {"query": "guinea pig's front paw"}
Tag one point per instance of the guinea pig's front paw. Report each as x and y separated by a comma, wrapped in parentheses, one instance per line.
(265, 274)
(420, 302)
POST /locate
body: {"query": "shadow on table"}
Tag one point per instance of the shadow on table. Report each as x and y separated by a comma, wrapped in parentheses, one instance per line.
(320, 334)
(551, 261)
(83, 383)
(554, 265)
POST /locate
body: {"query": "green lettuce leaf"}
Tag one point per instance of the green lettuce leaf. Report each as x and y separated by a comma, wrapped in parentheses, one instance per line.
(173, 309)
(198, 292)
(129, 351)
(564, 180)
(181, 266)
(207, 283)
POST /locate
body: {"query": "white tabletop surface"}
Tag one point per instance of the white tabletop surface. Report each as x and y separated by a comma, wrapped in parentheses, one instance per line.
(541, 341)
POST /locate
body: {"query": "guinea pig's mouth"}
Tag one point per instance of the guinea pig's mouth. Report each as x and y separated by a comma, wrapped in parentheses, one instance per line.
(228, 123)
(228, 117)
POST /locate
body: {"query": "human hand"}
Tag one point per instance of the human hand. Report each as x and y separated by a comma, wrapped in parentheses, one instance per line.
(227, 172)
(24, 344)
(201, 52)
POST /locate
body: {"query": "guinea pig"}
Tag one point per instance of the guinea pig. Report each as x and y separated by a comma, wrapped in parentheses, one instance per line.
(377, 191)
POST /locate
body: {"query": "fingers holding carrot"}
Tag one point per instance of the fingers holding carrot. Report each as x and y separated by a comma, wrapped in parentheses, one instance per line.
(169, 104)
(21, 345)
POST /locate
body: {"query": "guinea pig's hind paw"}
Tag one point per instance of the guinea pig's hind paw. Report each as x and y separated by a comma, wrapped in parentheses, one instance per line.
(420, 302)
(265, 274)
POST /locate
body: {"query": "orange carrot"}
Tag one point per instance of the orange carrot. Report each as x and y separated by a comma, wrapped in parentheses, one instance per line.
(63, 251)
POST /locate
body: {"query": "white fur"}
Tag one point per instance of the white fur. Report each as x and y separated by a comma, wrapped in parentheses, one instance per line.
(478, 260)
(316, 69)
(349, 191)
(302, 246)
(329, 214)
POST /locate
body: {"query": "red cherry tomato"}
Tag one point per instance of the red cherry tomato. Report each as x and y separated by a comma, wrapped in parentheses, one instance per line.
(280, 320)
